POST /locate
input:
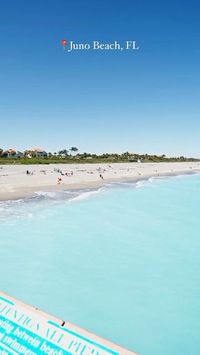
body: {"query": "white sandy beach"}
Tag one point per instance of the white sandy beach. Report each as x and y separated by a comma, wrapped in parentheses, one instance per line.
(16, 183)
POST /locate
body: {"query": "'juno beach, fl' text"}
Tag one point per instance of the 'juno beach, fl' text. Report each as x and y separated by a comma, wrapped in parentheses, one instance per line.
(99, 46)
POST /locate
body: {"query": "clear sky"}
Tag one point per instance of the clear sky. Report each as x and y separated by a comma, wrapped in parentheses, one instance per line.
(145, 101)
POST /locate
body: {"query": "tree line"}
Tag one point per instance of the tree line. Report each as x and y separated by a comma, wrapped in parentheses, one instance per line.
(37, 155)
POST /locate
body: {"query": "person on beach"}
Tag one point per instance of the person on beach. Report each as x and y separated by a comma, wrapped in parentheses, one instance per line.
(101, 176)
(59, 181)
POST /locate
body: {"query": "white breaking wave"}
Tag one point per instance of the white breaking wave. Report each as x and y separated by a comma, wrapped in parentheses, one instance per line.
(142, 183)
(14, 209)
(54, 194)
(26, 208)
(85, 195)
(46, 194)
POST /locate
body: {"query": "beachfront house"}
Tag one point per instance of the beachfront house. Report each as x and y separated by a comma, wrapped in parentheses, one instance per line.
(35, 153)
(12, 153)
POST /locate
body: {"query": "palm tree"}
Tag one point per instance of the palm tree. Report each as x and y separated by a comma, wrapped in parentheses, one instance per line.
(73, 150)
(63, 151)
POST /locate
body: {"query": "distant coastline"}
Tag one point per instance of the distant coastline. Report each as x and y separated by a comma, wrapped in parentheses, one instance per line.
(21, 181)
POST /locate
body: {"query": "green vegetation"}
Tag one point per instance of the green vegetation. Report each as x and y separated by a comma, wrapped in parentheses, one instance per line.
(63, 156)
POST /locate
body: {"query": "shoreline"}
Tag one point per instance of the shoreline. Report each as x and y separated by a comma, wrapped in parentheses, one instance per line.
(19, 187)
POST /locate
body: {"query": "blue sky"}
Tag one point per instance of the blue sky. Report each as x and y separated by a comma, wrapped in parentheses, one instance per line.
(145, 101)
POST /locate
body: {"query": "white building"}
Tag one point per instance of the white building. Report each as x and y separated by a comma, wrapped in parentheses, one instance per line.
(36, 152)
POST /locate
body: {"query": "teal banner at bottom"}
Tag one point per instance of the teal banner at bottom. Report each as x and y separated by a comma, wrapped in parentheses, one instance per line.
(28, 331)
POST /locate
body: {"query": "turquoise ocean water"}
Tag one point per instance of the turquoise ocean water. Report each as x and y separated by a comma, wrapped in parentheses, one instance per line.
(122, 261)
